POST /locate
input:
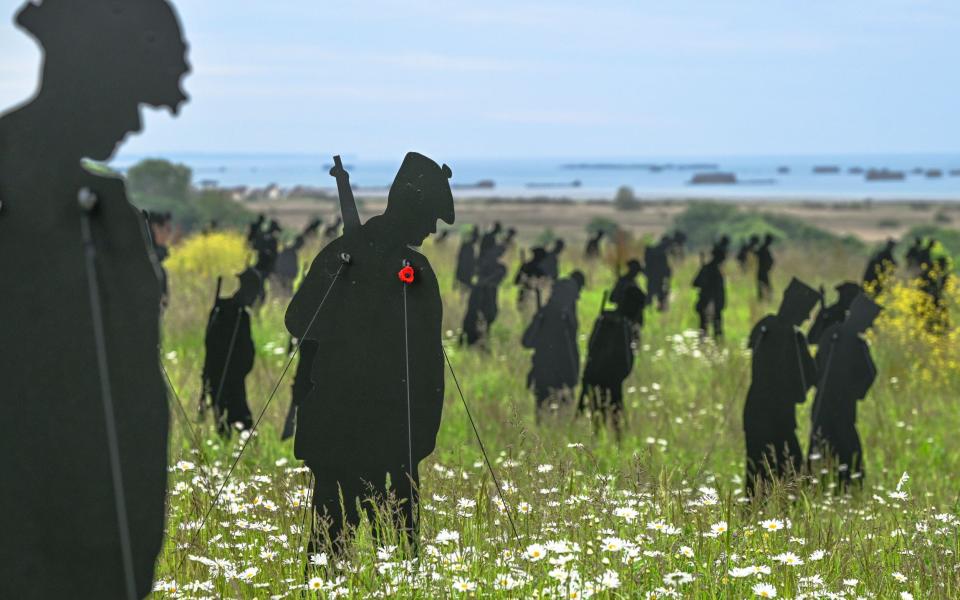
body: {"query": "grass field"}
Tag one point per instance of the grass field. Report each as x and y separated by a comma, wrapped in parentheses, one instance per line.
(662, 515)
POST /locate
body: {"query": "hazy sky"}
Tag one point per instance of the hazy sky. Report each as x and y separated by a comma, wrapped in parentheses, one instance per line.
(553, 78)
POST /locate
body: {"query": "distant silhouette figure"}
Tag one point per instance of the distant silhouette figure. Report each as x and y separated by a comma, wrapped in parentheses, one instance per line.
(934, 278)
(333, 229)
(678, 245)
(878, 267)
(83, 420)
(593, 245)
(626, 282)
(610, 356)
(747, 248)
(782, 372)
(255, 229)
(229, 355)
(834, 314)
(366, 418)
(552, 335)
(483, 304)
(530, 276)
(266, 245)
(467, 258)
(846, 373)
(287, 265)
(713, 296)
(161, 231)
(490, 240)
(914, 256)
(657, 269)
(550, 265)
(721, 249)
(764, 266)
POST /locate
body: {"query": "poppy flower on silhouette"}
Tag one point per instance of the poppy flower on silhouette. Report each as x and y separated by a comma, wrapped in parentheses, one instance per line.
(406, 274)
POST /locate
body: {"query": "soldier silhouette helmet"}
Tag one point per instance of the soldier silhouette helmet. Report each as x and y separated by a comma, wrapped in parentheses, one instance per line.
(139, 42)
(634, 267)
(579, 278)
(798, 300)
(863, 313)
(420, 195)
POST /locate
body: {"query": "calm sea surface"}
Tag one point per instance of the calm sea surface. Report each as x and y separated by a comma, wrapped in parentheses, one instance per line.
(770, 177)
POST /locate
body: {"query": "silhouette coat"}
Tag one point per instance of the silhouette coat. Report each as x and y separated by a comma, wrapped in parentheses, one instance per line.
(782, 372)
(626, 282)
(483, 304)
(847, 372)
(836, 313)
(58, 516)
(353, 429)
(229, 356)
(467, 258)
(550, 265)
(530, 276)
(552, 335)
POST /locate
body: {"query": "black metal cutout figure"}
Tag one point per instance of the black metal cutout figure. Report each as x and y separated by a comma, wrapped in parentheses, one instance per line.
(483, 302)
(747, 248)
(372, 305)
(550, 265)
(552, 335)
(765, 264)
(836, 313)
(782, 373)
(161, 231)
(530, 278)
(626, 282)
(287, 265)
(713, 297)
(84, 423)
(593, 245)
(880, 266)
(610, 358)
(657, 269)
(230, 354)
(467, 258)
(847, 372)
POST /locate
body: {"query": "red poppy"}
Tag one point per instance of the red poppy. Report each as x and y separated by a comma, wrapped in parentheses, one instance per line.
(406, 274)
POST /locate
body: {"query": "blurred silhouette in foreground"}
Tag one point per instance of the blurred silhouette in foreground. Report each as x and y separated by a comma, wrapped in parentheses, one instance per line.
(229, 356)
(372, 305)
(552, 335)
(84, 422)
(610, 356)
(846, 373)
(782, 372)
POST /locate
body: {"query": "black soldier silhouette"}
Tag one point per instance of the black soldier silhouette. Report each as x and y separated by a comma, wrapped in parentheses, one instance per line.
(84, 422)
(467, 258)
(287, 264)
(593, 245)
(914, 256)
(658, 272)
(490, 240)
(626, 282)
(846, 373)
(483, 302)
(550, 265)
(880, 266)
(713, 297)
(372, 305)
(678, 245)
(161, 232)
(530, 276)
(831, 315)
(765, 264)
(552, 335)
(255, 229)
(267, 245)
(333, 229)
(721, 247)
(747, 248)
(230, 354)
(782, 373)
(610, 356)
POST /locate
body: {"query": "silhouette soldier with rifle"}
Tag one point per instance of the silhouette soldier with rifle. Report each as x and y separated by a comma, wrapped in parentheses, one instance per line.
(712, 299)
(765, 264)
(372, 305)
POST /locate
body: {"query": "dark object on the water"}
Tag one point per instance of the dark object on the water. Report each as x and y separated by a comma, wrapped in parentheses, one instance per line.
(713, 296)
(782, 372)
(713, 179)
(552, 335)
(378, 370)
(530, 275)
(746, 249)
(884, 175)
(83, 408)
(783, 170)
(826, 170)
(846, 372)
(764, 266)
(229, 356)
(856, 170)
(933, 173)
(550, 265)
(593, 245)
(880, 266)
(467, 258)
(834, 314)
(627, 282)
(658, 272)
(610, 355)
(483, 305)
